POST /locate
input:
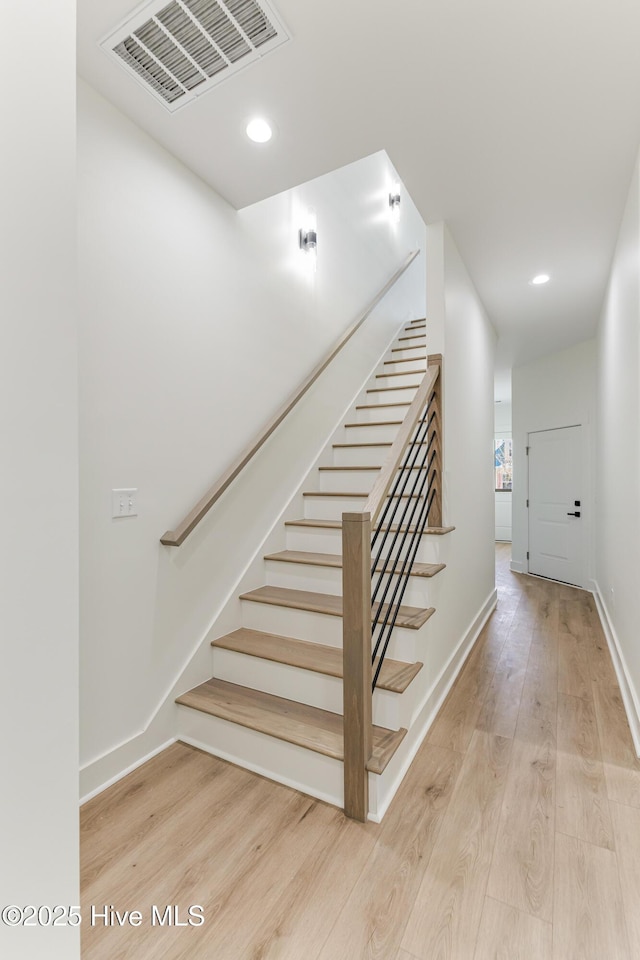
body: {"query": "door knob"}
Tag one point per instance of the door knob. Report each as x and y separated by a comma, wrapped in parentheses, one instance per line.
(576, 514)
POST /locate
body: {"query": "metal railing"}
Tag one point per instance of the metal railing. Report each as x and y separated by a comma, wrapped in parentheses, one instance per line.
(379, 549)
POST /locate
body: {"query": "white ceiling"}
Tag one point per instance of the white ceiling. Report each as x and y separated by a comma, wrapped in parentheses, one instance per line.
(515, 121)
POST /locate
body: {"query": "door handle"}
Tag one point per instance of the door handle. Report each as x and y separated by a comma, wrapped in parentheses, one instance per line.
(576, 514)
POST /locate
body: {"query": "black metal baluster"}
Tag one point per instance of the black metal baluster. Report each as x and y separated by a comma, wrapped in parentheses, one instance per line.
(408, 471)
(404, 537)
(410, 463)
(404, 580)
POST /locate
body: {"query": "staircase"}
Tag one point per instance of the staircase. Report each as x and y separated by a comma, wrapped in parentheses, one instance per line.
(274, 703)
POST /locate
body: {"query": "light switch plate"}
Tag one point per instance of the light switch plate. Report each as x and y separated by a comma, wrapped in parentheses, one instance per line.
(124, 503)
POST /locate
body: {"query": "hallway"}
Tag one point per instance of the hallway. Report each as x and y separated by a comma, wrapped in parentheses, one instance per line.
(515, 834)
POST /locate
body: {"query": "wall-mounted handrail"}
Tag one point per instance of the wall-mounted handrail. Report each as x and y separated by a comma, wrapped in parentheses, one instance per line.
(411, 473)
(174, 538)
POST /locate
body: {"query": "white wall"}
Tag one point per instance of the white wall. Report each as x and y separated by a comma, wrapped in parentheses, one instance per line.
(466, 589)
(556, 391)
(470, 342)
(197, 321)
(618, 528)
(502, 426)
(38, 480)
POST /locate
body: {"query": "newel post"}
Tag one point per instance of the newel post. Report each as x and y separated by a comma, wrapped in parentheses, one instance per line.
(435, 514)
(356, 654)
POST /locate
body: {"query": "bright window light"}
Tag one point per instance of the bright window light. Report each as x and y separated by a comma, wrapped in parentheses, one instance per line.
(259, 130)
(541, 278)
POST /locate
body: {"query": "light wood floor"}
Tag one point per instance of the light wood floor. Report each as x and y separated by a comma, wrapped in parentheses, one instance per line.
(515, 835)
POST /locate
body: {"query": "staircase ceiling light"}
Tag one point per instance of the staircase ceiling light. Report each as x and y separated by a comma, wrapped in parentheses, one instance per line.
(540, 279)
(259, 130)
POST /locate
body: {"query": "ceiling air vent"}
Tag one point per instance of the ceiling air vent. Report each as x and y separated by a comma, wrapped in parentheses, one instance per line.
(179, 50)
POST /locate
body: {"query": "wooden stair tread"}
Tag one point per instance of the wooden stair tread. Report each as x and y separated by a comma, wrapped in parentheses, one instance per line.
(297, 723)
(418, 336)
(373, 467)
(335, 560)
(337, 525)
(377, 423)
(411, 386)
(370, 443)
(304, 522)
(380, 406)
(350, 468)
(407, 360)
(399, 373)
(402, 349)
(317, 657)
(327, 603)
(359, 495)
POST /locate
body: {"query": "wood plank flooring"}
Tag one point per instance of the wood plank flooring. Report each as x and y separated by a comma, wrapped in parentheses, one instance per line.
(514, 835)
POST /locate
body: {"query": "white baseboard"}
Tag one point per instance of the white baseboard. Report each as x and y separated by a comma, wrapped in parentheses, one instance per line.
(627, 688)
(516, 566)
(434, 699)
(123, 773)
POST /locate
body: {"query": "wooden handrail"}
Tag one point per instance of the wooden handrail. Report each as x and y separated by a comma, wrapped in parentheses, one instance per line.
(391, 465)
(173, 538)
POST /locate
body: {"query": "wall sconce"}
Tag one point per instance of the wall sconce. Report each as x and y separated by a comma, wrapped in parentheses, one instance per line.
(308, 240)
(394, 203)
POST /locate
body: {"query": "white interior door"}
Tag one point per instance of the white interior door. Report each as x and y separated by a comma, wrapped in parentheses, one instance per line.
(556, 504)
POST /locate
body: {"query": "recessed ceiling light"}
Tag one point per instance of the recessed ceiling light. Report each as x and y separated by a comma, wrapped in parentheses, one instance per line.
(541, 278)
(259, 130)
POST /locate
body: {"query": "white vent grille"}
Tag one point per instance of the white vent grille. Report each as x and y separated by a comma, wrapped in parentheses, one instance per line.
(181, 49)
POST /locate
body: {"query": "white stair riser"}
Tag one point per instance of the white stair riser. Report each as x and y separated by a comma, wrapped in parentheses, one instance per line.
(304, 686)
(382, 396)
(376, 413)
(418, 361)
(310, 772)
(360, 456)
(369, 434)
(420, 592)
(356, 480)
(407, 354)
(302, 576)
(331, 508)
(321, 628)
(408, 379)
(429, 550)
(417, 367)
(318, 540)
(315, 539)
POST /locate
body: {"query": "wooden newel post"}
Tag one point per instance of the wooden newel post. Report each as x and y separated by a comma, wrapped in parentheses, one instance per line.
(435, 514)
(356, 653)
